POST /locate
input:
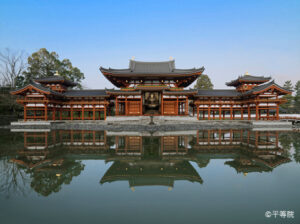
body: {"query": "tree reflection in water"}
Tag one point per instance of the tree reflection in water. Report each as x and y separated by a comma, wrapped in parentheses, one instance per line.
(50, 160)
(14, 179)
(49, 179)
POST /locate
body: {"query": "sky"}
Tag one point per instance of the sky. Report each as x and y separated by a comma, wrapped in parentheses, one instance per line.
(228, 38)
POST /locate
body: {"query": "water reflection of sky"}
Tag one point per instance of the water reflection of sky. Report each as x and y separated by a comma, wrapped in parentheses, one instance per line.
(94, 174)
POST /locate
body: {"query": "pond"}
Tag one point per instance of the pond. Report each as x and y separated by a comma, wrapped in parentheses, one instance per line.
(205, 176)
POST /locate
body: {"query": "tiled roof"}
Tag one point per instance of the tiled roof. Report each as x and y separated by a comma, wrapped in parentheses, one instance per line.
(41, 87)
(56, 79)
(264, 86)
(248, 78)
(152, 68)
(218, 92)
(86, 93)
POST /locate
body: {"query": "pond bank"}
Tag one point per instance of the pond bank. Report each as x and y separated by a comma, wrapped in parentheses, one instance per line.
(119, 124)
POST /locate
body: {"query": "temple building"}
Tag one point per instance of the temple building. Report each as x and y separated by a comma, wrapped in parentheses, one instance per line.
(151, 88)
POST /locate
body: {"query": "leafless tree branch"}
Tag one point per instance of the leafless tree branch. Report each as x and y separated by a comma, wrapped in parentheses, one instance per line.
(12, 65)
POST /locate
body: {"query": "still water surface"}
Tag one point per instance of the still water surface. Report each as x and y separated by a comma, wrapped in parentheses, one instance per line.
(211, 176)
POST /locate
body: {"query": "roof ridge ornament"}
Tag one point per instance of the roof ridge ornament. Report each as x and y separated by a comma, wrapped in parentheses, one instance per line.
(246, 73)
(56, 73)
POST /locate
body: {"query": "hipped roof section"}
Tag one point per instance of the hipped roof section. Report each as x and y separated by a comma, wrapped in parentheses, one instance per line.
(248, 79)
(151, 70)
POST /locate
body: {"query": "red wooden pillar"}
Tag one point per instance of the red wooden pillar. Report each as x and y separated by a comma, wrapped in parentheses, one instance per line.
(242, 113)
(162, 104)
(220, 112)
(268, 114)
(71, 112)
(186, 106)
(277, 112)
(249, 112)
(209, 112)
(117, 106)
(25, 112)
(141, 105)
(197, 111)
(126, 106)
(256, 112)
(177, 106)
(60, 113)
(230, 112)
(53, 112)
(104, 112)
(82, 111)
(94, 112)
(46, 112)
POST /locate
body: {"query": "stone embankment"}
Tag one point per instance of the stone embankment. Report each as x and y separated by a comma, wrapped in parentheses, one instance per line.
(152, 124)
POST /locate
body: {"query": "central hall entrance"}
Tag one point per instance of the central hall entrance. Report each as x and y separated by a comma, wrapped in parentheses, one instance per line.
(151, 103)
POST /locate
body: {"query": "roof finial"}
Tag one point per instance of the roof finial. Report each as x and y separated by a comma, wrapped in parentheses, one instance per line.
(246, 73)
(56, 73)
(171, 58)
(132, 58)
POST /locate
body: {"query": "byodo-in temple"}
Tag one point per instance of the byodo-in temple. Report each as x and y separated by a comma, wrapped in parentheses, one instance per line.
(151, 88)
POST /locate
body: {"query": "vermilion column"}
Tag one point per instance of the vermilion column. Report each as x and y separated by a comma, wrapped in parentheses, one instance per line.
(82, 112)
(46, 112)
(25, 113)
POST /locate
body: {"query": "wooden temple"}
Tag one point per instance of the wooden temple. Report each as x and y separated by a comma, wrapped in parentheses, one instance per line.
(151, 88)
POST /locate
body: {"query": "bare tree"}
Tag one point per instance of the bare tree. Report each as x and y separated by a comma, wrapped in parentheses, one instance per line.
(14, 180)
(12, 65)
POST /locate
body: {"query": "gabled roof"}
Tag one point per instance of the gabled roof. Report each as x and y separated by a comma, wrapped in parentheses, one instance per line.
(39, 87)
(86, 93)
(264, 87)
(248, 79)
(218, 92)
(56, 79)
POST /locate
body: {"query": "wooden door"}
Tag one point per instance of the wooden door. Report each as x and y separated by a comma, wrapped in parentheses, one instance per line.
(170, 108)
(134, 107)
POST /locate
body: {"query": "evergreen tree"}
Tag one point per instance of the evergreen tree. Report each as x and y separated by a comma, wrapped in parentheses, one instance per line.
(203, 82)
(288, 85)
(44, 63)
(288, 106)
(297, 98)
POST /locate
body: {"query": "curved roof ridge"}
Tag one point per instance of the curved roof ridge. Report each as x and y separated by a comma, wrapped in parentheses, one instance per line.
(265, 86)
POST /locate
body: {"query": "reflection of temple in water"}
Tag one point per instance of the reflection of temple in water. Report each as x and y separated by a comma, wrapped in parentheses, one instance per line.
(157, 159)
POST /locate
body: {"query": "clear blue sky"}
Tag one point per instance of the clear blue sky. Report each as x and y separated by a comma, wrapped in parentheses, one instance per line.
(228, 38)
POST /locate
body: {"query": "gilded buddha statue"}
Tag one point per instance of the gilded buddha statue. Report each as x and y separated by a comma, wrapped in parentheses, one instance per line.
(152, 101)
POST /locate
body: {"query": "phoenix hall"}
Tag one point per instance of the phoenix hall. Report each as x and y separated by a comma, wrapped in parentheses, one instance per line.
(151, 89)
